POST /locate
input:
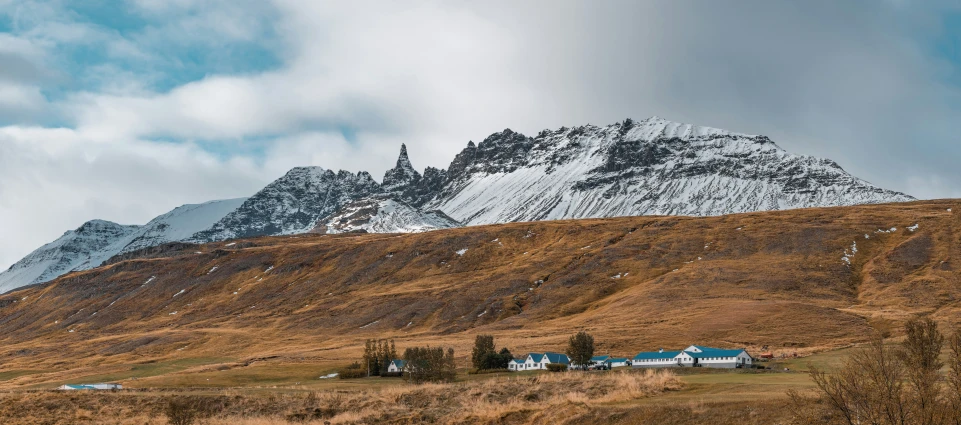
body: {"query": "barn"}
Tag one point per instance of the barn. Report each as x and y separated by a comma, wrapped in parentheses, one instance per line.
(69, 387)
(695, 356)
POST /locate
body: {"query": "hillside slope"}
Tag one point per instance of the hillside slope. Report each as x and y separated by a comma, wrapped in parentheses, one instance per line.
(792, 280)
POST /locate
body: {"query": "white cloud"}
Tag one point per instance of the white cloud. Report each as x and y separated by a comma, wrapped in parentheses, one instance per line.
(20, 100)
(843, 80)
(52, 180)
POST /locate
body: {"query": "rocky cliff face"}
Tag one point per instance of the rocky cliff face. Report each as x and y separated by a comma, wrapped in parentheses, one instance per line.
(292, 204)
(383, 214)
(404, 183)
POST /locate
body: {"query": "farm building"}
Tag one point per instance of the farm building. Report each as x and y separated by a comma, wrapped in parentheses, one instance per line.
(538, 361)
(90, 387)
(611, 362)
(694, 356)
(396, 366)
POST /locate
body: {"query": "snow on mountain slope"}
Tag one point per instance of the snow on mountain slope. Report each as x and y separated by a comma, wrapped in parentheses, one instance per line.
(181, 223)
(651, 167)
(97, 240)
(383, 215)
(291, 204)
(80, 249)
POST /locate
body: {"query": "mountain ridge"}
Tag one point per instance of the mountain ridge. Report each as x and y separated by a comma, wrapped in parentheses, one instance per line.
(648, 167)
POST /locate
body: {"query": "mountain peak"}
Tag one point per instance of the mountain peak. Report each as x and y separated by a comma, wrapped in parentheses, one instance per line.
(402, 175)
(403, 162)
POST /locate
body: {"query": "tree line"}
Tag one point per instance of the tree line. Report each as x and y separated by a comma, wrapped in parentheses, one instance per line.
(436, 364)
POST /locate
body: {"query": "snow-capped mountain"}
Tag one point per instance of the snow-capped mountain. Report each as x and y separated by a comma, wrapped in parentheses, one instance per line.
(383, 214)
(291, 204)
(650, 167)
(97, 240)
(80, 249)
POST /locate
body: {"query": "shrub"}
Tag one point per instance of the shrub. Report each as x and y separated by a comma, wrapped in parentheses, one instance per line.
(557, 367)
(485, 371)
(183, 411)
(350, 373)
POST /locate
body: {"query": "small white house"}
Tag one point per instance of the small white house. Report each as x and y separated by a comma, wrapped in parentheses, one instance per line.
(396, 366)
(695, 356)
(90, 387)
(538, 361)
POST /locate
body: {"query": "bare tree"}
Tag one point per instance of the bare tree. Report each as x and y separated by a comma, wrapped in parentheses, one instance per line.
(920, 351)
(887, 384)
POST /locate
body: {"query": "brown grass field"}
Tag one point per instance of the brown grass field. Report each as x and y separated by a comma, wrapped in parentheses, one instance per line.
(282, 311)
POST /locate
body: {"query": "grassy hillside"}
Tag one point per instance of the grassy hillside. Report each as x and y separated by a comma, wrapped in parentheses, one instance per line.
(286, 309)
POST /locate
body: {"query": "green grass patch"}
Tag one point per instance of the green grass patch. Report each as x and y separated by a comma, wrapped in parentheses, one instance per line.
(145, 370)
(13, 374)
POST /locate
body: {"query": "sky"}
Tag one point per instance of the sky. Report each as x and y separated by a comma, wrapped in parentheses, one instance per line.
(123, 110)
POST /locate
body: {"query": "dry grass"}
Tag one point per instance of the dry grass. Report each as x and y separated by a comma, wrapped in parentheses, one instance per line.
(517, 400)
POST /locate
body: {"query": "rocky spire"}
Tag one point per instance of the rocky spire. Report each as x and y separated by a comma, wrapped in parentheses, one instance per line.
(403, 162)
(402, 175)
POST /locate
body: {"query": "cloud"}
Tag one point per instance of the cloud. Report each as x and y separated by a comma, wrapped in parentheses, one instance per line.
(52, 180)
(342, 84)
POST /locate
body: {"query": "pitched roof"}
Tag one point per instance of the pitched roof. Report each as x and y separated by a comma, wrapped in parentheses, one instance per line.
(618, 360)
(600, 358)
(714, 352)
(536, 357)
(399, 363)
(517, 361)
(649, 355)
(557, 358)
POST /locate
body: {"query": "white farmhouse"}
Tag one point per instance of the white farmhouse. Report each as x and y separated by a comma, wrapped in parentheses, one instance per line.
(538, 361)
(694, 356)
(396, 366)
